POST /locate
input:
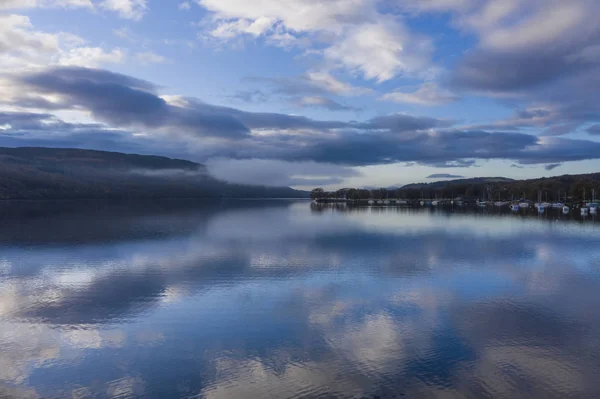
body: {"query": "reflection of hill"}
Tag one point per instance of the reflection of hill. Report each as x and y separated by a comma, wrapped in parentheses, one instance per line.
(96, 221)
(42, 173)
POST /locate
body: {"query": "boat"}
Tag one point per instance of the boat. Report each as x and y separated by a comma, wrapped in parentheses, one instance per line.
(523, 205)
(482, 204)
(386, 202)
(422, 203)
(401, 202)
(515, 207)
(435, 203)
(500, 203)
(565, 209)
(593, 209)
(380, 202)
(584, 211)
(371, 202)
(557, 205)
(541, 208)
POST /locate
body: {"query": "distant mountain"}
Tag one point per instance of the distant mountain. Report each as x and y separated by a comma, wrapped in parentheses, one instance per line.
(44, 173)
(444, 183)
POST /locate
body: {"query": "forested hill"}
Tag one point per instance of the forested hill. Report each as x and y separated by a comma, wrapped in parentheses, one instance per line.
(443, 183)
(40, 173)
(571, 187)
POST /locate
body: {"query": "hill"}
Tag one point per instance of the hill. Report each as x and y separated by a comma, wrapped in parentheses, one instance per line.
(67, 173)
(570, 187)
(443, 183)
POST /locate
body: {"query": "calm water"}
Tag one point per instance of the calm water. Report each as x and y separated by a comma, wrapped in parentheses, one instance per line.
(249, 299)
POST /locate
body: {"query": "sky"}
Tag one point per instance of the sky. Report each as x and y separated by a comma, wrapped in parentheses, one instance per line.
(330, 93)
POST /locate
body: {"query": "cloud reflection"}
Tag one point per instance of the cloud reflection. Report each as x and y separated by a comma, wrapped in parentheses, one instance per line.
(271, 299)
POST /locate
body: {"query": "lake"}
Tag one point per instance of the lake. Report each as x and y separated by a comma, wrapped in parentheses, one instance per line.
(286, 299)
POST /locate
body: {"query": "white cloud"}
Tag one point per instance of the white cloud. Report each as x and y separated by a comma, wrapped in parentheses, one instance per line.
(184, 5)
(91, 57)
(148, 57)
(519, 24)
(427, 94)
(21, 46)
(325, 80)
(296, 15)
(125, 33)
(278, 173)
(128, 9)
(23, 4)
(350, 34)
(381, 50)
(544, 27)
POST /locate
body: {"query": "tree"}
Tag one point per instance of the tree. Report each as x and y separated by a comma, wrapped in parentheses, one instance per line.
(317, 193)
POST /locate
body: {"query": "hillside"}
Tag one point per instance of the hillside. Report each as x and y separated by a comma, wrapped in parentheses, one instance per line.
(44, 173)
(444, 183)
(571, 187)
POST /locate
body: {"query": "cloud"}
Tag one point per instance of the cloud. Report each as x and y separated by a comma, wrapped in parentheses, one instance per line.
(313, 83)
(322, 102)
(148, 57)
(278, 173)
(444, 176)
(123, 102)
(352, 35)
(250, 96)
(128, 9)
(323, 79)
(18, 39)
(593, 130)
(184, 6)
(127, 34)
(532, 52)
(128, 102)
(552, 166)
(426, 94)
(24, 4)
(91, 57)
(22, 47)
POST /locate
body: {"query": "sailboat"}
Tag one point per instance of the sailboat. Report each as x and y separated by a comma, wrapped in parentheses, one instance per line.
(593, 205)
(584, 210)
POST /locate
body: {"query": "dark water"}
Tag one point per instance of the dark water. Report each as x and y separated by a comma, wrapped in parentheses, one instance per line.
(276, 299)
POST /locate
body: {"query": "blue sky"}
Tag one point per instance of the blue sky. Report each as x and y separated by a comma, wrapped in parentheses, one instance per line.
(310, 92)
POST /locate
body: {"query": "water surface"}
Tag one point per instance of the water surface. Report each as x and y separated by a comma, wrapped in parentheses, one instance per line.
(281, 299)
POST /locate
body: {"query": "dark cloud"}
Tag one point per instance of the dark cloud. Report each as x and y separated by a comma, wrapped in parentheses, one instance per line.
(533, 113)
(561, 129)
(593, 130)
(552, 166)
(128, 102)
(444, 176)
(563, 76)
(124, 102)
(501, 71)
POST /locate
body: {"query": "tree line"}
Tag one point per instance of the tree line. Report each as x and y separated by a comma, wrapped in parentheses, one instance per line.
(560, 188)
